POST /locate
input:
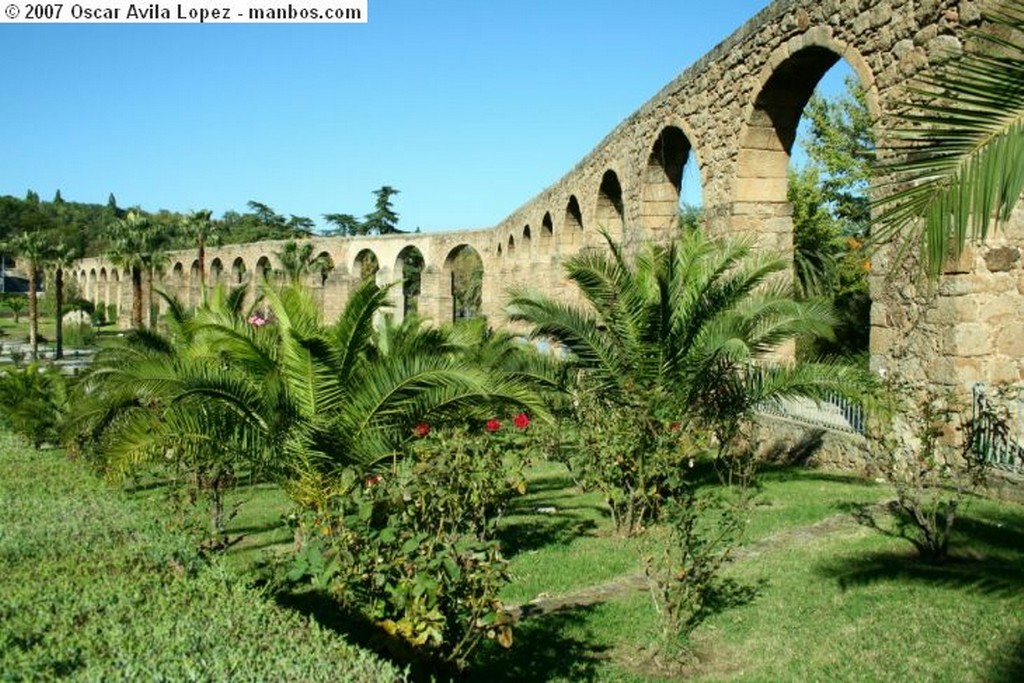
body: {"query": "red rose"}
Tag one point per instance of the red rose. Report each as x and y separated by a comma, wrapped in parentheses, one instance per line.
(421, 430)
(493, 425)
(521, 421)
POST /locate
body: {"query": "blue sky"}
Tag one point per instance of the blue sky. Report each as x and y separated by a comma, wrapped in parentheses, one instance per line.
(468, 107)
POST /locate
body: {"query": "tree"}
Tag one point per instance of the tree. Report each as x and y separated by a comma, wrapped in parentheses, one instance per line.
(131, 246)
(201, 230)
(32, 249)
(956, 163)
(681, 335)
(831, 215)
(61, 256)
(276, 385)
(346, 225)
(383, 220)
(297, 261)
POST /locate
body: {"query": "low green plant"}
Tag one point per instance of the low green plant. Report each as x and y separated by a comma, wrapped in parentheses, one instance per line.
(96, 586)
(33, 401)
(79, 336)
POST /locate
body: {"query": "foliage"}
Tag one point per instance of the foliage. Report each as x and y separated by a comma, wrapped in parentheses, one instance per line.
(683, 333)
(15, 303)
(33, 402)
(408, 546)
(93, 586)
(956, 162)
(685, 574)
(830, 218)
(926, 448)
(467, 283)
(297, 262)
(79, 335)
(381, 221)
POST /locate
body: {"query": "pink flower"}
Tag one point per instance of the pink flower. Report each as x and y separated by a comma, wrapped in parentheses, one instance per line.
(493, 425)
(521, 421)
(373, 480)
(257, 320)
(421, 430)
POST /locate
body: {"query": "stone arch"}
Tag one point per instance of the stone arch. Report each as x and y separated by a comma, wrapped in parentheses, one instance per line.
(194, 283)
(178, 283)
(114, 306)
(216, 271)
(90, 286)
(663, 180)
(365, 265)
(760, 204)
(464, 275)
(322, 266)
(511, 252)
(570, 237)
(409, 266)
(238, 271)
(264, 269)
(104, 287)
(609, 213)
(527, 240)
(546, 238)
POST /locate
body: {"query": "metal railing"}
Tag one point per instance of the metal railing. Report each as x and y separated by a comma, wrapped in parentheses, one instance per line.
(834, 413)
(999, 428)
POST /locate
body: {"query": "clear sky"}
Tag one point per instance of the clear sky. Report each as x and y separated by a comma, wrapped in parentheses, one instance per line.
(468, 107)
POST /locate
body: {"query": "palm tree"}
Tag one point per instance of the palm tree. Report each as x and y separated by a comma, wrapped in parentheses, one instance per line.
(692, 325)
(32, 247)
(129, 248)
(283, 387)
(959, 150)
(297, 261)
(199, 227)
(61, 256)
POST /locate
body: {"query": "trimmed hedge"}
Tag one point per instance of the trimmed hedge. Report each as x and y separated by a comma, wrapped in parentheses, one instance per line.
(94, 587)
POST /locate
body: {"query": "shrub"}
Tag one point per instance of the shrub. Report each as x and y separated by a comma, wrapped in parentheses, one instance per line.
(33, 401)
(408, 548)
(925, 447)
(79, 336)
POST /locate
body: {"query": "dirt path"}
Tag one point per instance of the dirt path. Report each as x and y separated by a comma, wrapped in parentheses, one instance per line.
(637, 581)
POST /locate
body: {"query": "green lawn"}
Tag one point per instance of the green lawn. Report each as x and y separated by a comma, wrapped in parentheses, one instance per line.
(97, 586)
(830, 602)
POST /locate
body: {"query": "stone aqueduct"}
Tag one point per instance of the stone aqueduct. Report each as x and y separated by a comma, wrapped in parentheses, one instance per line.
(737, 109)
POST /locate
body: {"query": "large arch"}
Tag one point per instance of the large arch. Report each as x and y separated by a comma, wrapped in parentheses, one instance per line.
(264, 269)
(463, 282)
(663, 181)
(238, 271)
(216, 271)
(365, 265)
(409, 267)
(570, 237)
(609, 213)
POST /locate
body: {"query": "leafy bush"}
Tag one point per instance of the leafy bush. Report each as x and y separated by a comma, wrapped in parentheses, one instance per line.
(925, 448)
(94, 587)
(409, 549)
(79, 336)
(33, 401)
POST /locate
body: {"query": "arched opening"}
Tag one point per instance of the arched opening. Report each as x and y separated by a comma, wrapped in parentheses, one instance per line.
(465, 272)
(366, 265)
(216, 271)
(194, 284)
(609, 213)
(238, 271)
(410, 264)
(791, 193)
(547, 233)
(527, 239)
(263, 269)
(511, 246)
(570, 237)
(104, 295)
(321, 267)
(114, 306)
(671, 192)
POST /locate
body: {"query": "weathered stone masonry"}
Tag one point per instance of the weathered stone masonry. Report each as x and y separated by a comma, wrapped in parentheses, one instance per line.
(737, 109)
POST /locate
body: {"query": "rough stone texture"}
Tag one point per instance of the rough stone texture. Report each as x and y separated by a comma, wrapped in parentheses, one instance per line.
(737, 108)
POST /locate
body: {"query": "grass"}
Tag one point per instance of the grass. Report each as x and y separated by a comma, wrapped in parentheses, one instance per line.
(96, 586)
(836, 602)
